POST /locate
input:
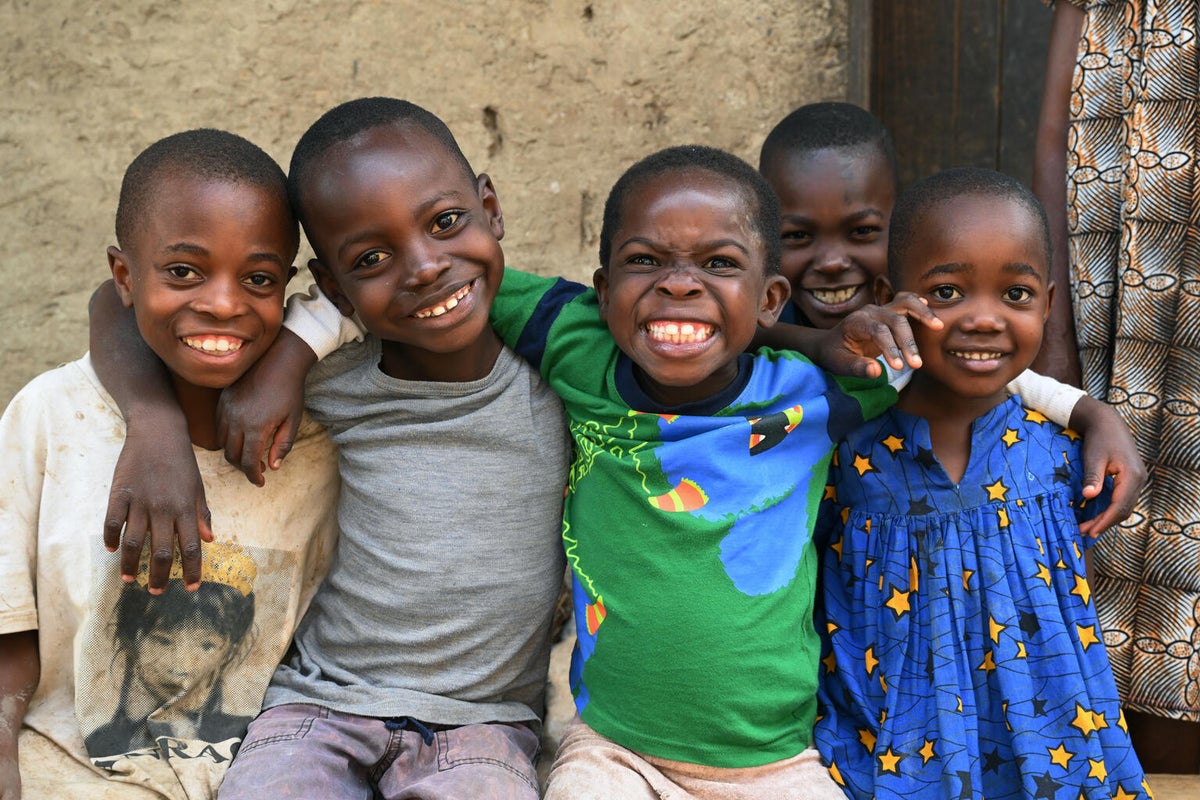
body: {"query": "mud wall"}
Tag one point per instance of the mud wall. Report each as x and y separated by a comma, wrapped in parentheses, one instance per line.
(553, 98)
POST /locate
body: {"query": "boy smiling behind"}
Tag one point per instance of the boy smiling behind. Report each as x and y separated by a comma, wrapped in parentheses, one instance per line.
(206, 243)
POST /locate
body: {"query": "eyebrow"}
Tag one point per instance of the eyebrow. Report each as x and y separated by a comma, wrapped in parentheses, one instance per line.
(192, 249)
(956, 267)
(855, 217)
(716, 244)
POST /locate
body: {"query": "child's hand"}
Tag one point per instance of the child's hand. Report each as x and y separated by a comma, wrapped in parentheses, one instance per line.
(850, 347)
(264, 408)
(157, 488)
(1108, 449)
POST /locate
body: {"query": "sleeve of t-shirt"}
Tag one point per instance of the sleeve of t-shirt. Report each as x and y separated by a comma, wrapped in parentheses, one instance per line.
(526, 308)
(853, 401)
(23, 446)
(315, 319)
(1054, 399)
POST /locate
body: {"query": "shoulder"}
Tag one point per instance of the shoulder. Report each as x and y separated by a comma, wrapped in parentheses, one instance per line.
(69, 392)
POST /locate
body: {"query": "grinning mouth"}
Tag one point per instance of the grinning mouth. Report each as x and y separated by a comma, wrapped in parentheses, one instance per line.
(977, 355)
(679, 332)
(833, 297)
(214, 344)
(445, 305)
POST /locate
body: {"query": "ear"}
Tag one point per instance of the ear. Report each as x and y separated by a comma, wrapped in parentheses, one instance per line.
(1049, 301)
(329, 287)
(776, 292)
(491, 205)
(600, 282)
(883, 290)
(122, 274)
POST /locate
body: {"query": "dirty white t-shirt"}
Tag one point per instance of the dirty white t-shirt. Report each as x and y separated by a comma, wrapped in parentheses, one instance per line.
(134, 689)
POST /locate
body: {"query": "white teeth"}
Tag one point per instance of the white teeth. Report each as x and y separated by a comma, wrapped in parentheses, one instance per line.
(679, 332)
(213, 344)
(975, 356)
(449, 303)
(832, 297)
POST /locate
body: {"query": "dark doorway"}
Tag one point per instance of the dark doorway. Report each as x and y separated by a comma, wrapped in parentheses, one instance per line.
(957, 82)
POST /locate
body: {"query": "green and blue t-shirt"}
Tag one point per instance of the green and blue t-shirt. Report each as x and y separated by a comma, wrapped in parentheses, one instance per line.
(688, 531)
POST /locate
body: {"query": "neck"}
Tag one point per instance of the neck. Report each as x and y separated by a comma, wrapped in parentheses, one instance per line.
(472, 363)
(199, 406)
(950, 417)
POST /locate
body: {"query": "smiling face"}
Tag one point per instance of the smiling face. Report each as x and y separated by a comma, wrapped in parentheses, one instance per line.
(981, 263)
(686, 286)
(407, 239)
(171, 660)
(205, 273)
(835, 205)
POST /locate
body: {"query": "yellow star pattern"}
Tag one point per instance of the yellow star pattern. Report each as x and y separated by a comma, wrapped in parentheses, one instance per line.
(845, 513)
(1087, 635)
(1084, 720)
(836, 774)
(1124, 795)
(1121, 722)
(1035, 417)
(1082, 590)
(898, 602)
(967, 573)
(893, 443)
(837, 548)
(1097, 770)
(1060, 755)
(914, 576)
(989, 663)
(995, 629)
(830, 662)
(959, 699)
(867, 738)
(883, 683)
(1010, 437)
(1146, 789)
(1043, 572)
(872, 661)
(997, 490)
(890, 762)
(1099, 721)
(862, 464)
(926, 752)
(1021, 650)
(1002, 512)
(1072, 435)
(830, 492)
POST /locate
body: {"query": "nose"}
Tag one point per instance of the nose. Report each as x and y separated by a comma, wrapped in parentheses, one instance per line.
(830, 260)
(680, 281)
(221, 297)
(425, 265)
(982, 316)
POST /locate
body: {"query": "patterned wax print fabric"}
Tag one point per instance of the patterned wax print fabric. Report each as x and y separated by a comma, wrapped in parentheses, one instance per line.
(688, 532)
(145, 696)
(1133, 192)
(962, 657)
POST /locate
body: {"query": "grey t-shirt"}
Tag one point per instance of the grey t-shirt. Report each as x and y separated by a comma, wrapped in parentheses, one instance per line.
(450, 559)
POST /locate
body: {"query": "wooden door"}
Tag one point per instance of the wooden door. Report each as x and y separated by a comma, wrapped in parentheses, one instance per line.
(957, 82)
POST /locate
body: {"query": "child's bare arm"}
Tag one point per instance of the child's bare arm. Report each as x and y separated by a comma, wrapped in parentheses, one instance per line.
(156, 486)
(1108, 449)
(263, 409)
(20, 671)
(850, 348)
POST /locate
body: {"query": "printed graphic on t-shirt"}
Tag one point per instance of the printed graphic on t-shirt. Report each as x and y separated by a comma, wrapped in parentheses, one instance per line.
(168, 683)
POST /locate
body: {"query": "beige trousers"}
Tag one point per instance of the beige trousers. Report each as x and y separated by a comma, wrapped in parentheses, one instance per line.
(589, 766)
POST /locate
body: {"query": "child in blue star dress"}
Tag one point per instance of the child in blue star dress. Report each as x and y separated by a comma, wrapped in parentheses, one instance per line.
(962, 657)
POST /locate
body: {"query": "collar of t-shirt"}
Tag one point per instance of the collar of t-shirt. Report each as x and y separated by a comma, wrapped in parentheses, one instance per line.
(637, 399)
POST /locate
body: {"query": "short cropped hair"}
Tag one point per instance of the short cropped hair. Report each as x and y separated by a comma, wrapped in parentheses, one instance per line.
(764, 211)
(915, 201)
(346, 121)
(820, 126)
(202, 153)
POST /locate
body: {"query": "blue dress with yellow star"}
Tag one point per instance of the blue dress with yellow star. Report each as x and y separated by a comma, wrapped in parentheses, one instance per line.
(962, 658)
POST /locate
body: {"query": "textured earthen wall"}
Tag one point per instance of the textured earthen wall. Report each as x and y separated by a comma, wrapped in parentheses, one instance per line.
(553, 98)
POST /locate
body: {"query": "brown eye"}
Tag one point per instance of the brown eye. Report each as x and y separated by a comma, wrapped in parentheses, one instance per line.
(445, 220)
